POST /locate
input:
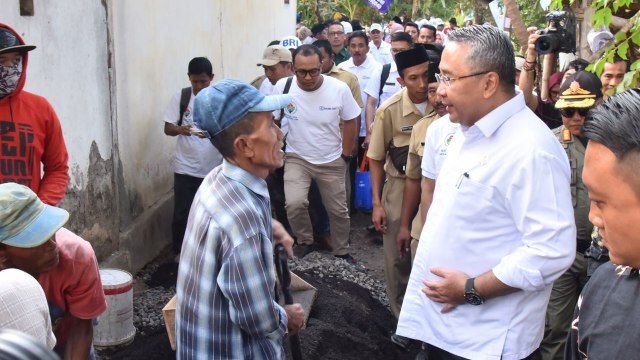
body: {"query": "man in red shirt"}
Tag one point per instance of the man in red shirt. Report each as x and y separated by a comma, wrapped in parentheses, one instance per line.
(30, 132)
(33, 240)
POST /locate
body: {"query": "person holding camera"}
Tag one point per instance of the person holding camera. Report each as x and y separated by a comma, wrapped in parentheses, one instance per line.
(543, 108)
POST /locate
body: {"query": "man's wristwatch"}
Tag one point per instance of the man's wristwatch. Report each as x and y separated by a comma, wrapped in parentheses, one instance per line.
(471, 296)
(346, 158)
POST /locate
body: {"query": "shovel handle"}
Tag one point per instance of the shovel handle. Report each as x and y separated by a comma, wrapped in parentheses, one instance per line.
(282, 267)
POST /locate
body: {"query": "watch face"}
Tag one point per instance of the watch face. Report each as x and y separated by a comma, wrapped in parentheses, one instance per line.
(473, 299)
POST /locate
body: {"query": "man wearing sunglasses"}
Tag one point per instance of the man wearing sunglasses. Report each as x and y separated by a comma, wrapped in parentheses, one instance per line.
(578, 94)
(316, 150)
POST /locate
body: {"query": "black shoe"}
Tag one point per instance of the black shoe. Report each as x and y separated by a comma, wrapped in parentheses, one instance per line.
(401, 342)
(348, 258)
(302, 250)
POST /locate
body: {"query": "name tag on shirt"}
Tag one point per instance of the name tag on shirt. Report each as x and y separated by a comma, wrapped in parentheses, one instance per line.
(406, 128)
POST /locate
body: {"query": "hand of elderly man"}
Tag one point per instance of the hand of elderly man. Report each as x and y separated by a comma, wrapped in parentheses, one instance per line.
(295, 314)
(281, 236)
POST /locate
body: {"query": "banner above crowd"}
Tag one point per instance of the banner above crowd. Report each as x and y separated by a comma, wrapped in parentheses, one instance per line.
(380, 5)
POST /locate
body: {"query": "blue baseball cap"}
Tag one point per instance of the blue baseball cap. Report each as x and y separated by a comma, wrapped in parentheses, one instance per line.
(226, 102)
(25, 221)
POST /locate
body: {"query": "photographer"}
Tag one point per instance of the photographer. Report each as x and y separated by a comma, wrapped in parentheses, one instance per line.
(543, 108)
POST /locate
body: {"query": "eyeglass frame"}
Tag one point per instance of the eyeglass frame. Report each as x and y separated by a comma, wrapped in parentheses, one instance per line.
(446, 80)
(306, 72)
(336, 33)
(582, 111)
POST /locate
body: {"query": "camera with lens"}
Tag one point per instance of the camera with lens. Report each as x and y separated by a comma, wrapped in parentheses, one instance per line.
(559, 36)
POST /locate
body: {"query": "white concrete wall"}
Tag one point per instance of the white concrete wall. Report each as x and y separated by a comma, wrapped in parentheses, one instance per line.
(69, 68)
(154, 41)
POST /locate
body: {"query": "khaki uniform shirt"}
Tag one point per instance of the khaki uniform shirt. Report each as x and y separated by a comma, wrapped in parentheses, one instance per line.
(579, 195)
(414, 160)
(258, 81)
(394, 121)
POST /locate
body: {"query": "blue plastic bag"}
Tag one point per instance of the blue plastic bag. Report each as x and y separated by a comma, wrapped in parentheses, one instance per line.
(363, 199)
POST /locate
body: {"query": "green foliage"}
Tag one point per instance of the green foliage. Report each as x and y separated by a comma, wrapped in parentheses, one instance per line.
(623, 42)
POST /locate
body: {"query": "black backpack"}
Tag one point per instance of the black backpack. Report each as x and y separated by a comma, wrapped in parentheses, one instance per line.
(185, 96)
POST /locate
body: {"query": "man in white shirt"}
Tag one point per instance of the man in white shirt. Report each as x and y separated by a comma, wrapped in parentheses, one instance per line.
(316, 150)
(500, 229)
(276, 62)
(363, 66)
(195, 155)
(380, 50)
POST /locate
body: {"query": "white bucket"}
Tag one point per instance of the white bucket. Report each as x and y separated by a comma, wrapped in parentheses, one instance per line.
(115, 325)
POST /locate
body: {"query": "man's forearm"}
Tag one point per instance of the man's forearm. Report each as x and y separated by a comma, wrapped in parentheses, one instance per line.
(370, 112)
(376, 171)
(489, 286)
(428, 187)
(349, 135)
(78, 345)
(410, 201)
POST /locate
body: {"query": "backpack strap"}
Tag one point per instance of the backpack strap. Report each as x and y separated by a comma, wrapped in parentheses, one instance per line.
(287, 86)
(386, 69)
(185, 96)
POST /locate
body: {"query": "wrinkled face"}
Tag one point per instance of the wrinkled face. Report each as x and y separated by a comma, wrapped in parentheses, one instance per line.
(461, 96)
(426, 36)
(358, 48)
(612, 75)
(199, 82)
(277, 72)
(34, 261)
(435, 100)
(399, 46)
(413, 31)
(615, 206)
(376, 35)
(336, 36)
(307, 70)
(573, 119)
(266, 144)
(416, 80)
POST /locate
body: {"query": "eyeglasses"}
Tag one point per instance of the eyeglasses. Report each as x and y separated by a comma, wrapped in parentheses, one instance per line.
(446, 80)
(303, 73)
(569, 112)
(336, 33)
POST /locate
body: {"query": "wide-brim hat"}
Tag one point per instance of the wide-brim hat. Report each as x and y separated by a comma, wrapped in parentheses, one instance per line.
(25, 221)
(580, 90)
(9, 42)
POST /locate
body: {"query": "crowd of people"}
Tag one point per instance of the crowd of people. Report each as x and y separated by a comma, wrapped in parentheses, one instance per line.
(499, 203)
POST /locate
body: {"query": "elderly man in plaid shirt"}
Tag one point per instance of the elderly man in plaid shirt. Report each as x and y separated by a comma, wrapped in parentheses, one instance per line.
(226, 279)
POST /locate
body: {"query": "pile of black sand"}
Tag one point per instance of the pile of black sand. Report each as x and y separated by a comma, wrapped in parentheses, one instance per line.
(345, 323)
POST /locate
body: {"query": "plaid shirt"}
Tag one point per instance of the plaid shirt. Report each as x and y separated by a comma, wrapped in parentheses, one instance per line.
(226, 280)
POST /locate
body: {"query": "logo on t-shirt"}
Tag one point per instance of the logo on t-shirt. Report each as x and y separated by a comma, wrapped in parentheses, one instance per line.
(291, 108)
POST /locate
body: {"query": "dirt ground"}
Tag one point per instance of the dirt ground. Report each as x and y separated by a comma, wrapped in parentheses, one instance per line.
(346, 322)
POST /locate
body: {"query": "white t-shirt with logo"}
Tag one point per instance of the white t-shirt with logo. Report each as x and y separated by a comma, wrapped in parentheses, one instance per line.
(194, 156)
(438, 137)
(364, 73)
(312, 119)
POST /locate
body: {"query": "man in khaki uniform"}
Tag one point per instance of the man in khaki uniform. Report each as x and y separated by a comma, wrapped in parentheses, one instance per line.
(389, 140)
(578, 94)
(409, 232)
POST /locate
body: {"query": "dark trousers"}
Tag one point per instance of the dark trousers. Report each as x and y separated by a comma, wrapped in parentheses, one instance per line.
(431, 352)
(184, 190)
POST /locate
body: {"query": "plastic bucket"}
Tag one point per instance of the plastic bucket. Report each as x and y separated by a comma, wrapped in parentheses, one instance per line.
(115, 325)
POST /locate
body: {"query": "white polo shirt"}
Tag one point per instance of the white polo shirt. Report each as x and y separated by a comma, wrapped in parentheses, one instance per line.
(364, 72)
(381, 54)
(438, 137)
(502, 202)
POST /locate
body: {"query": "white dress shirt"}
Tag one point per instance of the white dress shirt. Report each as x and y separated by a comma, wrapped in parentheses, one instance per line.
(382, 54)
(364, 73)
(502, 202)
